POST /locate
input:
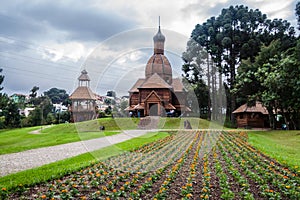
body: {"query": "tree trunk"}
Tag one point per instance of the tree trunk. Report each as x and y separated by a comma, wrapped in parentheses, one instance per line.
(209, 93)
(271, 118)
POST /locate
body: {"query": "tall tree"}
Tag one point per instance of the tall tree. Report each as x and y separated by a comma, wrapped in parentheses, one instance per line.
(33, 92)
(236, 34)
(3, 96)
(1, 79)
(193, 69)
(3, 103)
(12, 116)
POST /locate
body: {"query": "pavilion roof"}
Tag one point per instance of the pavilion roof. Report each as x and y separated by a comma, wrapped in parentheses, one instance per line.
(258, 107)
(82, 93)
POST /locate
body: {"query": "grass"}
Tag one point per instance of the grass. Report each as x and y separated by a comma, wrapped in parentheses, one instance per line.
(20, 139)
(17, 140)
(58, 169)
(284, 146)
(196, 123)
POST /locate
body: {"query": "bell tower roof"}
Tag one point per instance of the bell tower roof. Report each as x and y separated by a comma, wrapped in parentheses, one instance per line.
(159, 37)
(158, 62)
(159, 41)
(84, 79)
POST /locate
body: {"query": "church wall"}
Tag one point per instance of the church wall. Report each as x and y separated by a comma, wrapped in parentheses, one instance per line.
(164, 94)
(134, 99)
(179, 98)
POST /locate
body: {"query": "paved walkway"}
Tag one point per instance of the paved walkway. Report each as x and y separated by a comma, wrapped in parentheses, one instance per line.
(15, 162)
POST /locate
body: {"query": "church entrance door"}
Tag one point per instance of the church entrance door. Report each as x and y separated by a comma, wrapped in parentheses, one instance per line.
(153, 108)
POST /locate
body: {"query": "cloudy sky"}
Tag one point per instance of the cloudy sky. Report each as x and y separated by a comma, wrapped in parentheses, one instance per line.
(47, 43)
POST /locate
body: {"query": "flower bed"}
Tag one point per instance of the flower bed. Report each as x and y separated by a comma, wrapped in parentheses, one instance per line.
(185, 165)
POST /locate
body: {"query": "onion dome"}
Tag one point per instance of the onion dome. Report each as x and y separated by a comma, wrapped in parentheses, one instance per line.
(159, 63)
(159, 40)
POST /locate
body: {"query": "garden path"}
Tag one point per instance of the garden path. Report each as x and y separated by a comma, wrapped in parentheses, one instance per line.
(15, 162)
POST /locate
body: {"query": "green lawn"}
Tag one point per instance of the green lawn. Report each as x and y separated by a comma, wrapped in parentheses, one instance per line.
(61, 168)
(284, 146)
(196, 123)
(21, 139)
(17, 140)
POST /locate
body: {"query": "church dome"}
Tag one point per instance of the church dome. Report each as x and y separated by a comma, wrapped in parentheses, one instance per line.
(159, 63)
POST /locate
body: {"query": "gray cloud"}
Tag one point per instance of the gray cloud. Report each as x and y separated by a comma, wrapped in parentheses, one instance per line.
(214, 8)
(80, 21)
(29, 29)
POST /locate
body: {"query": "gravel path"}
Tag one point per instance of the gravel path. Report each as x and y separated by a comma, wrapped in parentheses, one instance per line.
(15, 162)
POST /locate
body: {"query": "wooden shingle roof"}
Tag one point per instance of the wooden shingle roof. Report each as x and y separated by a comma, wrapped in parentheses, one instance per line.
(137, 84)
(257, 108)
(84, 76)
(177, 85)
(155, 81)
(82, 93)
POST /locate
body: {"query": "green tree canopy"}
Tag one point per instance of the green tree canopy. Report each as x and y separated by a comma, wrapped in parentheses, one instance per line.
(274, 79)
(57, 95)
(237, 34)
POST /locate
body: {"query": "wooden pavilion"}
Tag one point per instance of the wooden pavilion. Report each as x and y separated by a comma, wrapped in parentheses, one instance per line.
(83, 100)
(252, 116)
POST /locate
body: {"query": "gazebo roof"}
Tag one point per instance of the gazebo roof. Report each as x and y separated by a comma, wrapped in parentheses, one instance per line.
(84, 76)
(258, 107)
(83, 93)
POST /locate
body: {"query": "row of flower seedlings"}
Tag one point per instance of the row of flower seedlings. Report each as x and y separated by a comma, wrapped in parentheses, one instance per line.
(209, 150)
(233, 170)
(273, 184)
(295, 172)
(289, 176)
(199, 180)
(163, 190)
(187, 189)
(145, 185)
(131, 187)
(153, 146)
(92, 181)
(284, 182)
(251, 170)
(149, 183)
(152, 159)
(225, 183)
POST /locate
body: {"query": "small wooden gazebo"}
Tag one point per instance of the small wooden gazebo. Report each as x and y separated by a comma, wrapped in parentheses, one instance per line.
(83, 100)
(252, 116)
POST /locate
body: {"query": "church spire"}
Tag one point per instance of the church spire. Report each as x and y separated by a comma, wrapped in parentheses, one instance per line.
(159, 40)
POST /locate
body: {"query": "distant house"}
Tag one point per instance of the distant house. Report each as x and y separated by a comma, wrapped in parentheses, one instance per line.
(252, 116)
(58, 107)
(19, 98)
(26, 111)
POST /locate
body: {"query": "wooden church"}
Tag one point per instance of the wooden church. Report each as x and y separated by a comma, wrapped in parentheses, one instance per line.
(158, 93)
